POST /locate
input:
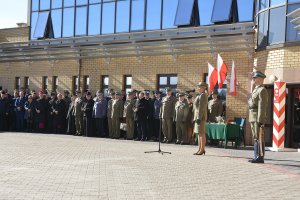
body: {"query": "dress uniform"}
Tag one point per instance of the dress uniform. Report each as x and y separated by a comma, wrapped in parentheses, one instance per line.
(215, 107)
(189, 121)
(78, 114)
(109, 109)
(180, 117)
(257, 116)
(128, 115)
(116, 115)
(166, 114)
(200, 117)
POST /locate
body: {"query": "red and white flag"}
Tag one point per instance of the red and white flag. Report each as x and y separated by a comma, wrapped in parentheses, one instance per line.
(222, 71)
(212, 77)
(232, 89)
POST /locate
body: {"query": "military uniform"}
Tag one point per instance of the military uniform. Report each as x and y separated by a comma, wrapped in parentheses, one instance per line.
(128, 115)
(116, 115)
(180, 117)
(78, 115)
(200, 113)
(166, 114)
(215, 108)
(258, 102)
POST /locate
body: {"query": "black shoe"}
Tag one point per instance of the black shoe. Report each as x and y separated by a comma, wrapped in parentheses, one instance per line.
(164, 141)
(258, 160)
(177, 142)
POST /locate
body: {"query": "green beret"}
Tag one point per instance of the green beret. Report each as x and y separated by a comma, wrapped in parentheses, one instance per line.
(258, 74)
(168, 89)
(215, 92)
(181, 94)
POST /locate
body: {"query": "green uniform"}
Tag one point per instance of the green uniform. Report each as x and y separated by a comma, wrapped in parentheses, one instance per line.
(215, 108)
(116, 115)
(77, 112)
(166, 114)
(109, 120)
(180, 117)
(257, 115)
(128, 115)
(200, 113)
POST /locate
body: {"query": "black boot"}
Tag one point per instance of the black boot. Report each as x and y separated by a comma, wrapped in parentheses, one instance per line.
(255, 147)
(258, 158)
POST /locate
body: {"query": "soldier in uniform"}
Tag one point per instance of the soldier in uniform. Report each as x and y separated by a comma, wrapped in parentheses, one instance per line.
(257, 115)
(180, 117)
(166, 114)
(116, 115)
(189, 120)
(215, 107)
(109, 109)
(128, 115)
(78, 114)
(200, 116)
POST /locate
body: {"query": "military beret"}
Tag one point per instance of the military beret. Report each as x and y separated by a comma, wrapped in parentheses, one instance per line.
(258, 74)
(88, 93)
(168, 89)
(181, 94)
(215, 92)
(189, 96)
(130, 93)
(202, 84)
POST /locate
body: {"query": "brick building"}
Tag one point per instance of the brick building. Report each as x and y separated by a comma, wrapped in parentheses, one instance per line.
(163, 43)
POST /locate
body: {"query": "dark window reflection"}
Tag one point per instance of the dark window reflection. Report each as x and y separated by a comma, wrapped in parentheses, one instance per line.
(68, 22)
(108, 18)
(81, 2)
(34, 17)
(264, 4)
(81, 18)
(153, 14)
(291, 32)
(205, 11)
(35, 5)
(56, 4)
(44, 4)
(277, 2)
(184, 12)
(123, 8)
(137, 15)
(277, 25)
(41, 24)
(169, 12)
(221, 10)
(69, 3)
(262, 29)
(94, 19)
(56, 16)
(245, 10)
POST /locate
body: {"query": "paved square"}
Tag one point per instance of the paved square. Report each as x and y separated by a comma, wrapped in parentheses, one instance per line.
(41, 166)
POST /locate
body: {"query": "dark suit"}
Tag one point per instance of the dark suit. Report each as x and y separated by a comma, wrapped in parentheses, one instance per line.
(87, 109)
(59, 117)
(141, 117)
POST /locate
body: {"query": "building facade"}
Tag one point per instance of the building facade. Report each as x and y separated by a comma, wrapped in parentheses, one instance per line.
(153, 44)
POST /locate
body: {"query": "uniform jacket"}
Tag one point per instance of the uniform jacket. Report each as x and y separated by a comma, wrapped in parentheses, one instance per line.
(167, 107)
(190, 116)
(77, 107)
(109, 107)
(181, 111)
(215, 108)
(117, 108)
(128, 108)
(258, 105)
(200, 107)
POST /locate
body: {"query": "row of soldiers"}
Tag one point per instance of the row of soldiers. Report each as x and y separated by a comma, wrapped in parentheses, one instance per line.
(139, 115)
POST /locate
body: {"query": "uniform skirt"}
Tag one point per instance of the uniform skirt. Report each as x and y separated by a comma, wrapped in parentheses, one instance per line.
(199, 128)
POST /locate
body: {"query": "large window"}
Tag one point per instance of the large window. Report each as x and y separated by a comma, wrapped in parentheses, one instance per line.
(108, 17)
(262, 37)
(221, 11)
(54, 83)
(277, 2)
(34, 17)
(123, 11)
(245, 10)
(205, 11)
(44, 4)
(56, 16)
(105, 85)
(184, 12)
(81, 18)
(68, 22)
(263, 4)
(56, 4)
(68, 3)
(41, 24)
(35, 5)
(86, 83)
(153, 19)
(127, 83)
(75, 84)
(26, 82)
(277, 25)
(167, 81)
(45, 83)
(81, 2)
(291, 32)
(137, 15)
(169, 12)
(94, 19)
(17, 83)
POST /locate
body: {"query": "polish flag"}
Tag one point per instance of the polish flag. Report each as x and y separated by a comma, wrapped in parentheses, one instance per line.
(222, 71)
(232, 89)
(212, 77)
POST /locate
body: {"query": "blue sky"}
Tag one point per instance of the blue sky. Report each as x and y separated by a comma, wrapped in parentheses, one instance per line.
(12, 12)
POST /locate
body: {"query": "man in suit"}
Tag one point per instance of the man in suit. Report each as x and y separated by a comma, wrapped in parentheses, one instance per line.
(59, 113)
(166, 114)
(257, 115)
(141, 111)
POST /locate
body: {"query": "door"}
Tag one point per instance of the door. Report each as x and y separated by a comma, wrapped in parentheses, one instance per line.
(295, 126)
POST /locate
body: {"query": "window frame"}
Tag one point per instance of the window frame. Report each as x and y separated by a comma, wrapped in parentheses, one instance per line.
(45, 83)
(86, 82)
(168, 85)
(26, 82)
(103, 86)
(17, 82)
(54, 83)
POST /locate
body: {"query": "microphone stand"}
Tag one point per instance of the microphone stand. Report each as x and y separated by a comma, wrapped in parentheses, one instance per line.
(159, 137)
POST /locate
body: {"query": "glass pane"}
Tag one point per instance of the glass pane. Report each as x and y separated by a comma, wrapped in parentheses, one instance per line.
(41, 24)
(34, 16)
(173, 80)
(153, 14)
(245, 10)
(221, 10)
(205, 10)
(277, 25)
(106, 81)
(262, 29)
(184, 12)
(108, 18)
(277, 2)
(137, 15)
(81, 2)
(35, 5)
(123, 9)
(44, 4)
(169, 13)
(56, 4)
(291, 32)
(81, 18)
(95, 1)
(56, 22)
(163, 80)
(68, 22)
(292, 1)
(87, 80)
(264, 4)
(94, 19)
(69, 3)
(128, 80)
